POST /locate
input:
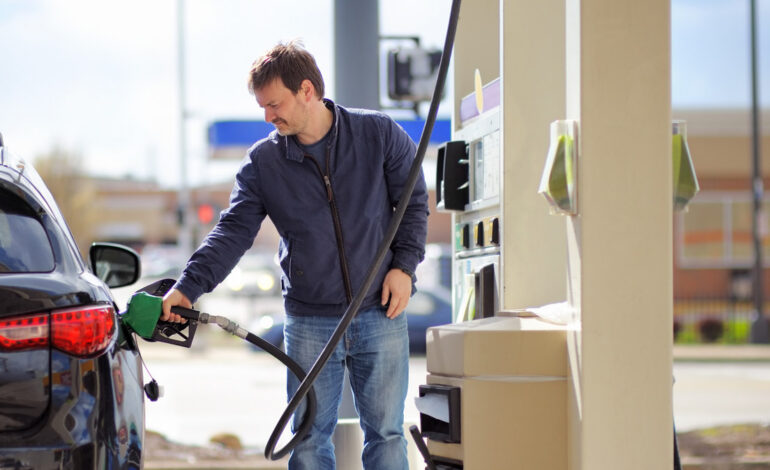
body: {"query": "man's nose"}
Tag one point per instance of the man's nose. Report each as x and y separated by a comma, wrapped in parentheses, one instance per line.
(269, 115)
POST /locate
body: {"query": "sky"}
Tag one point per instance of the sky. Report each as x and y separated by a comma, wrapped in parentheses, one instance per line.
(99, 77)
(710, 53)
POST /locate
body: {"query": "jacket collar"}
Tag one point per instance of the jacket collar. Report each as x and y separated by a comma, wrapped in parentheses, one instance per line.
(293, 150)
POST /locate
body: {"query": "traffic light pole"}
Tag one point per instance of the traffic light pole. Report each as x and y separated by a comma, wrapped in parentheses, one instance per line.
(184, 235)
(759, 327)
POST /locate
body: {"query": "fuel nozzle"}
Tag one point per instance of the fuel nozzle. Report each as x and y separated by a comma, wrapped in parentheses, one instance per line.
(143, 317)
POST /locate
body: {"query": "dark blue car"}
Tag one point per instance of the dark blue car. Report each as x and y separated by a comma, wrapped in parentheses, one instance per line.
(71, 394)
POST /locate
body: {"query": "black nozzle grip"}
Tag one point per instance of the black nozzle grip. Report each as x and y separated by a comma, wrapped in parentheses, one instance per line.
(187, 313)
(415, 432)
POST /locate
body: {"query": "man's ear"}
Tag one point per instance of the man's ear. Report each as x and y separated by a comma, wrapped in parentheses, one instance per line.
(307, 89)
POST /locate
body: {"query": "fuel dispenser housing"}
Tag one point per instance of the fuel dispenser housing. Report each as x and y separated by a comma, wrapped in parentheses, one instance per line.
(504, 373)
(468, 186)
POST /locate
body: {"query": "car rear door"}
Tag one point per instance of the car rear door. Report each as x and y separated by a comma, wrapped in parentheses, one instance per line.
(27, 276)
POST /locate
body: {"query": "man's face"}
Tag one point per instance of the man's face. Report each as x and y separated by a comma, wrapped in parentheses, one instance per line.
(287, 111)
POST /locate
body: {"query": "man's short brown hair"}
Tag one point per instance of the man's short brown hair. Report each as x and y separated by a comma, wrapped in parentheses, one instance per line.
(290, 62)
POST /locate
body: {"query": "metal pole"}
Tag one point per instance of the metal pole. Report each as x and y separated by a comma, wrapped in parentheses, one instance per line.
(183, 208)
(357, 53)
(759, 327)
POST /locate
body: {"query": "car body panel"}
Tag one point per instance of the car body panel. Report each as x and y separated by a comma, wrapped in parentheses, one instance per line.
(59, 411)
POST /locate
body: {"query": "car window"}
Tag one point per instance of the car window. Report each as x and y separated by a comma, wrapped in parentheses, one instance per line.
(24, 245)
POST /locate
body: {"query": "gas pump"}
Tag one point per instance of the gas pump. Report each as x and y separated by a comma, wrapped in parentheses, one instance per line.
(495, 395)
(505, 387)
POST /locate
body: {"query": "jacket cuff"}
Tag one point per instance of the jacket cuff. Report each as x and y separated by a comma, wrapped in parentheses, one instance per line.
(189, 288)
(405, 264)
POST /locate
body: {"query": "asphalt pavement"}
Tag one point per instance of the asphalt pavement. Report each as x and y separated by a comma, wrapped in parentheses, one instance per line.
(223, 386)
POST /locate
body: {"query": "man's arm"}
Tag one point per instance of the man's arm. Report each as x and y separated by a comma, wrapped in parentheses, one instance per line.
(223, 246)
(409, 243)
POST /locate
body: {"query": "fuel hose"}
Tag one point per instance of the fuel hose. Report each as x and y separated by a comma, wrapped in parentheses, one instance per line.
(355, 304)
(234, 329)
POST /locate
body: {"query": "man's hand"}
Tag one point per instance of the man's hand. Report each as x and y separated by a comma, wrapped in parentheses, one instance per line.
(172, 299)
(397, 287)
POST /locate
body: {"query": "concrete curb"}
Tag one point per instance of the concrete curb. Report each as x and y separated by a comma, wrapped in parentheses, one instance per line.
(702, 465)
(722, 353)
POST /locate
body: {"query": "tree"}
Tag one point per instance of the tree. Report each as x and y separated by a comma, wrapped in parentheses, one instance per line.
(73, 190)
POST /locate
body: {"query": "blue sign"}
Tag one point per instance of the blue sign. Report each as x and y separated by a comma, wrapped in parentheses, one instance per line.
(237, 133)
(230, 139)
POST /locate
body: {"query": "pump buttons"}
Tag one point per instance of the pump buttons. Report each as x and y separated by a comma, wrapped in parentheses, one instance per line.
(478, 233)
(486, 233)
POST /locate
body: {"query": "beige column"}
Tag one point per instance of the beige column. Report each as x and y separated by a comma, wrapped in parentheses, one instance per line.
(476, 47)
(620, 247)
(532, 68)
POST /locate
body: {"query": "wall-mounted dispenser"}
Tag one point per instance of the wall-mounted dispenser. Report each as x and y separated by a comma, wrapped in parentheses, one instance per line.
(685, 181)
(559, 181)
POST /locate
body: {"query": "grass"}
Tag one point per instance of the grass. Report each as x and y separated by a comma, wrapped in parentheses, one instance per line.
(735, 331)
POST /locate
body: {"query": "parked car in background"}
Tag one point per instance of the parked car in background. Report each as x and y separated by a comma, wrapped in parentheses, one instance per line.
(71, 394)
(429, 306)
(250, 291)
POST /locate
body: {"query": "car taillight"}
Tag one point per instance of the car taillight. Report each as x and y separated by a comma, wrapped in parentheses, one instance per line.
(21, 333)
(83, 331)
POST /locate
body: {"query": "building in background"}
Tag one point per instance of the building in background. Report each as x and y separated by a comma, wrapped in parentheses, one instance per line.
(713, 247)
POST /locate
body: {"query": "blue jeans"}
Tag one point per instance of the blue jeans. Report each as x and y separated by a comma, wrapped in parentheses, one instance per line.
(376, 352)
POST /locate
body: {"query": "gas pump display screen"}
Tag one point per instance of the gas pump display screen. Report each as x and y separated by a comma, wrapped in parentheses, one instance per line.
(486, 167)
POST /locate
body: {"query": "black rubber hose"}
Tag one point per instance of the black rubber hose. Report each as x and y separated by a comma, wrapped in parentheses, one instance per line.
(312, 403)
(398, 214)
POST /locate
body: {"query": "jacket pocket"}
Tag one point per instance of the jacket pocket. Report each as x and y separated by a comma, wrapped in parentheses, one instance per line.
(312, 275)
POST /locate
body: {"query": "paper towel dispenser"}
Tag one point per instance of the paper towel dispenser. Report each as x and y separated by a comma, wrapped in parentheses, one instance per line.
(439, 407)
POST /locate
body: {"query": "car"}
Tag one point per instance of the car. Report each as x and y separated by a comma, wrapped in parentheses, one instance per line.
(429, 306)
(71, 393)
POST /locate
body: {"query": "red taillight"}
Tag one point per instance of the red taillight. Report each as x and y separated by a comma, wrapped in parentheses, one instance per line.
(22, 333)
(84, 331)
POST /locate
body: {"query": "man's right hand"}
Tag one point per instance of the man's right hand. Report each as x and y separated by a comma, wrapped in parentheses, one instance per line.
(174, 298)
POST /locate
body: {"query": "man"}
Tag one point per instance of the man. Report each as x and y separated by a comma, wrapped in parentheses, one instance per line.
(329, 178)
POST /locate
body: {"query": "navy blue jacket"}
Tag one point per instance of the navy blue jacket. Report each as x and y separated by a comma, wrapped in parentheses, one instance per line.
(318, 206)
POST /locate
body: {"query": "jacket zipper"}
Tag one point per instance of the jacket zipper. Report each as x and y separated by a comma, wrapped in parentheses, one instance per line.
(337, 225)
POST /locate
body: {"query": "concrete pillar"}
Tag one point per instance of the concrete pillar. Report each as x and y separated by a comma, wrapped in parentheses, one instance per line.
(534, 249)
(356, 53)
(356, 71)
(620, 244)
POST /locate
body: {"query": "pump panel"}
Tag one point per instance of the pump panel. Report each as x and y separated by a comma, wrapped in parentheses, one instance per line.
(468, 177)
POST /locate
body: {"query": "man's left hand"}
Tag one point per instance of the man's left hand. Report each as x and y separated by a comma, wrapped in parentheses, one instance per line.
(397, 287)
